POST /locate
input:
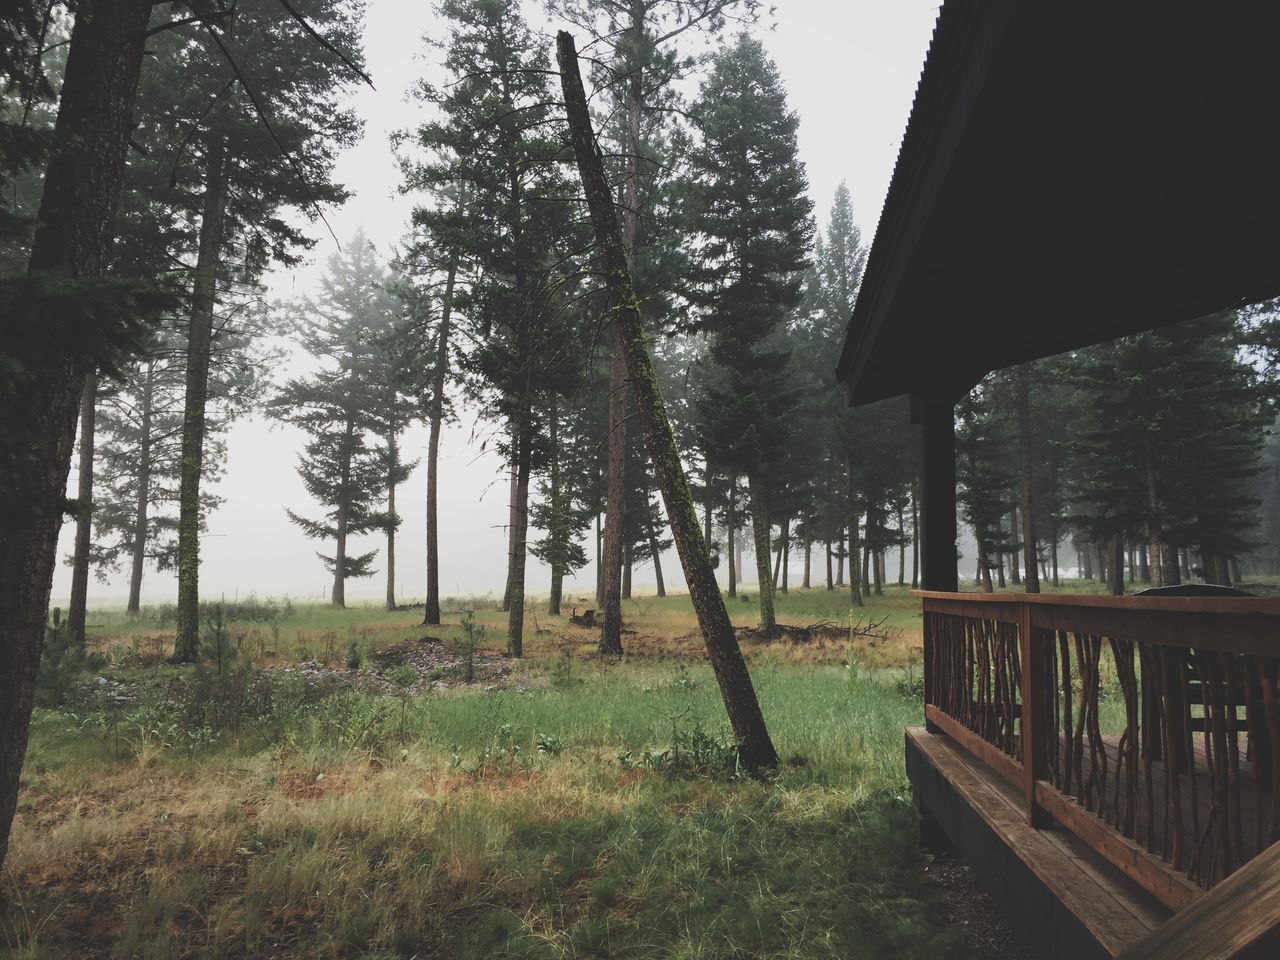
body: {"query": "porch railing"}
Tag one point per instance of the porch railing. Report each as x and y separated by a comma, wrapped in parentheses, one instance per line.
(1146, 726)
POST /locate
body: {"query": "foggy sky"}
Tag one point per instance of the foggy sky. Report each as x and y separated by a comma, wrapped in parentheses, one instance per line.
(850, 69)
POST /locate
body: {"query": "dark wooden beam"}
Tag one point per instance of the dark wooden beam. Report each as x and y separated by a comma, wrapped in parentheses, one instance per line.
(936, 416)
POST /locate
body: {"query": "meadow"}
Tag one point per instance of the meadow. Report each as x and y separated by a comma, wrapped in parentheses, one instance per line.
(349, 783)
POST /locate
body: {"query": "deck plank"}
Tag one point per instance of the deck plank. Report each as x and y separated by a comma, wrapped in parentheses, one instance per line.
(1114, 910)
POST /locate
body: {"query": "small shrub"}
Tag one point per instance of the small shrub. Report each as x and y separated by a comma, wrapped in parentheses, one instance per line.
(61, 661)
(216, 646)
(355, 653)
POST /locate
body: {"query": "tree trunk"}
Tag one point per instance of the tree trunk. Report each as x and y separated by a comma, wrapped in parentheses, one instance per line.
(599, 582)
(556, 533)
(878, 581)
(519, 550)
(657, 558)
(1115, 566)
(808, 551)
(830, 581)
(840, 555)
(431, 607)
(1000, 565)
(866, 563)
(1144, 563)
(855, 587)
(143, 502)
(1015, 573)
(1053, 549)
(709, 500)
(512, 483)
(338, 594)
(902, 549)
(984, 567)
(786, 550)
(615, 506)
(199, 348)
(74, 230)
(760, 533)
(737, 556)
(78, 608)
(777, 564)
(393, 459)
(626, 570)
(1026, 479)
(732, 546)
(755, 748)
(619, 387)
(915, 537)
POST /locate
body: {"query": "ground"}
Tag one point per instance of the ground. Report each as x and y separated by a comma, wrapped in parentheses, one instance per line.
(353, 784)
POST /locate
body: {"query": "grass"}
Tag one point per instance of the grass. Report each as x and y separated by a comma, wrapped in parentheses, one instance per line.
(582, 808)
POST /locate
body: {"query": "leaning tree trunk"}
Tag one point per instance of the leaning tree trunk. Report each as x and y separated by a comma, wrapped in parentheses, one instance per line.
(431, 607)
(755, 748)
(78, 608)
(199, 348)
(142, 504)
(760, 532)
(519, 550)
(74, 230)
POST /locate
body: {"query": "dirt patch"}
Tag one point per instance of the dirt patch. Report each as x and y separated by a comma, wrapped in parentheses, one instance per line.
(970, 910)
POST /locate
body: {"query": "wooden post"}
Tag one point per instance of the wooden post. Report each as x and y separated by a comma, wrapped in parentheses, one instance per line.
(937, 523)
(1035, 761)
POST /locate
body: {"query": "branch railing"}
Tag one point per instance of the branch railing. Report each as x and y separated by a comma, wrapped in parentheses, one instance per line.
(1144, 725)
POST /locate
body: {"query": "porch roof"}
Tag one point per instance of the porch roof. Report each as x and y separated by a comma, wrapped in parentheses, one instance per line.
(1071, 173)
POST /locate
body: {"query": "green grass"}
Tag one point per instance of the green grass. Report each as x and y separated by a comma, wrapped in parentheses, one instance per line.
(358, 825)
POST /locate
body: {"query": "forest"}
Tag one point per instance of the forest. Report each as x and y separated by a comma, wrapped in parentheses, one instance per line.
(626, 280)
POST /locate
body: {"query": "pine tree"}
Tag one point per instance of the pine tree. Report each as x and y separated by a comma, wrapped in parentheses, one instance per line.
(342, 409)
(245, 140)
(640, 35)
(515, 235)
(753, 227)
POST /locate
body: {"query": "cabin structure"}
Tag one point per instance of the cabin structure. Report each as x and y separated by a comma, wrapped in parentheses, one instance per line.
(1072, 173)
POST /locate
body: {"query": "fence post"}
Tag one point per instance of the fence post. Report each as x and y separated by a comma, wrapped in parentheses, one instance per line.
(1034, 720)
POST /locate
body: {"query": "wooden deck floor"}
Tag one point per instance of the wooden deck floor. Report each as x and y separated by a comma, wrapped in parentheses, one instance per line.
(1063, 898)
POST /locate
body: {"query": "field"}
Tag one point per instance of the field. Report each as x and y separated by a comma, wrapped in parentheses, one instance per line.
(352, 784)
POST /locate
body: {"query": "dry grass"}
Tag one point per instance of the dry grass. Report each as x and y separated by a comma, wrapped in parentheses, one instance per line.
(450, 833)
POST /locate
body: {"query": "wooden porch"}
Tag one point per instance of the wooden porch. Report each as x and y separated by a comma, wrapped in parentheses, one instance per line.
(1106, 765)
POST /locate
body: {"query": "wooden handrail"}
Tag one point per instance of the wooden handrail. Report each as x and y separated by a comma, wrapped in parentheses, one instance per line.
(1237, 605)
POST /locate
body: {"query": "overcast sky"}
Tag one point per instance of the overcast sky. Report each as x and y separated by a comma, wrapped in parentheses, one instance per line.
(850, 68)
